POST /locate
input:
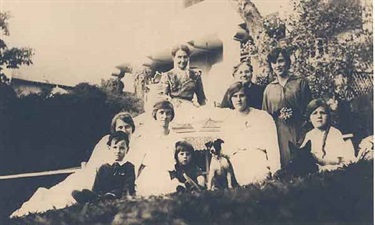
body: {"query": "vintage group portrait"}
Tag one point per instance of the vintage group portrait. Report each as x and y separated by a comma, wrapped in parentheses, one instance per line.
(186, 112)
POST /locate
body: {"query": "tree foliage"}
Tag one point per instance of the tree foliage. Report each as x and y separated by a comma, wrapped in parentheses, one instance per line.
(324, 18)
(326, 37)
(12, 57)
(323, 37)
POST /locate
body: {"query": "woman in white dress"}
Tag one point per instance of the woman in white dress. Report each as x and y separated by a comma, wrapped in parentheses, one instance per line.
(327, 142)
(250, 139)
(157, 143)
(59, 196)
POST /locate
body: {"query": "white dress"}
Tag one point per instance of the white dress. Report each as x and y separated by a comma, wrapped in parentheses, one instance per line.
(335, 147)
(251, 143)
(158, 159)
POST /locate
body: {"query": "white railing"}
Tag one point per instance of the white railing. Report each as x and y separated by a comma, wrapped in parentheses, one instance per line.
(43, 173)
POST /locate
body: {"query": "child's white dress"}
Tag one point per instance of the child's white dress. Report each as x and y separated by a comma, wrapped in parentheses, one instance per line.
(251, 143)
(335, 147)
(158, 159)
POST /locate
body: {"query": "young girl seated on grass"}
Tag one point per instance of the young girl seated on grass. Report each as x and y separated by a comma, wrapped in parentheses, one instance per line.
(188, 174)
(112, 181)
(327, 143)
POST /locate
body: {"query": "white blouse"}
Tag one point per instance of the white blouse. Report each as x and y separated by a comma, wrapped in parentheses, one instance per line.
(254, 131)
(335, 146)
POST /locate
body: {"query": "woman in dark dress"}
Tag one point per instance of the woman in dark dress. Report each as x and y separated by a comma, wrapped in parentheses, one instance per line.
(243, 73)
(286, 99)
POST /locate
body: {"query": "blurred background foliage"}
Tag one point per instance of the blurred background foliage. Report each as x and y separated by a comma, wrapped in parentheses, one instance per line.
(323, 37)
(42, 133)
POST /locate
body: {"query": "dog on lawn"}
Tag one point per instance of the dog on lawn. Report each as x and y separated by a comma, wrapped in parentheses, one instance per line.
(221, 174)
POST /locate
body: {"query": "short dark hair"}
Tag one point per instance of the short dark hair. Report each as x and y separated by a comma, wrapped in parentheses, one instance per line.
(247, 63)
(165, 104)
(272, 57)
(234, 88)
(184, 48)
(346, 73)
(183, 146)
(117, 137)
(125, 117)
(314, 104)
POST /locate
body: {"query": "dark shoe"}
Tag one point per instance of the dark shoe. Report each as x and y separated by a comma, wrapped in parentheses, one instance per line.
(84, 196)
(180, 189)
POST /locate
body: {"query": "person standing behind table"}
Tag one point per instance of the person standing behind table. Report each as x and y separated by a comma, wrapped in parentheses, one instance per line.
(286, 99)
(243, 73)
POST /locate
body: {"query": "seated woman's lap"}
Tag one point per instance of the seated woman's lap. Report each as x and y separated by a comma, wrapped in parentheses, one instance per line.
(250, 166)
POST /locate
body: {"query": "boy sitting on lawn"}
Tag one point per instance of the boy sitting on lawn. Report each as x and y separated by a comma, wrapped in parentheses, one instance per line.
(112, 181)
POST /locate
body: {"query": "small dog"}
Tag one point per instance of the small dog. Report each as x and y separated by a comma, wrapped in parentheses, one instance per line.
(221, 174)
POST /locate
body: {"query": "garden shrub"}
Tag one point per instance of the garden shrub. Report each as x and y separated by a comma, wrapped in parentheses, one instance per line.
(60, 131)
(344, 196)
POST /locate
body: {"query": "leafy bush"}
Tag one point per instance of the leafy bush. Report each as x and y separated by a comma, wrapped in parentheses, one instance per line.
(323, 37)
(340, 197)
(57, 132)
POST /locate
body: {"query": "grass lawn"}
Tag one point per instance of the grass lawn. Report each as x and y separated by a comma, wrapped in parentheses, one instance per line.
(340, 197)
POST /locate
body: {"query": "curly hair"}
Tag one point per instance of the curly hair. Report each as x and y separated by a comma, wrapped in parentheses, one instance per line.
(274, 54)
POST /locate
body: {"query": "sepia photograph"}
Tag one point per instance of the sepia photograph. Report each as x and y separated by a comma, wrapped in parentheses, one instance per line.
(186, 112)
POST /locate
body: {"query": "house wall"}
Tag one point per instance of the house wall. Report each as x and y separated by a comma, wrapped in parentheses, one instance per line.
(220, 74)
(205, 62)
